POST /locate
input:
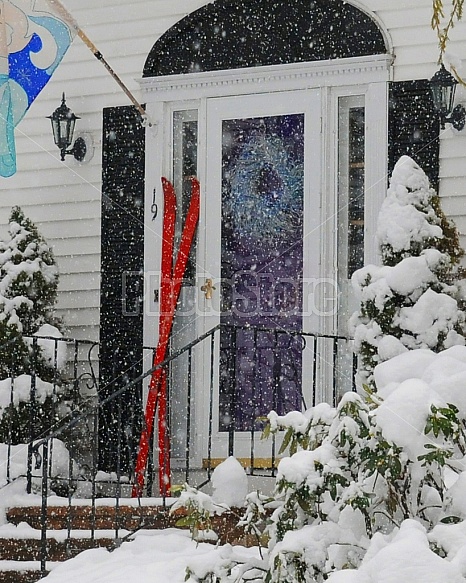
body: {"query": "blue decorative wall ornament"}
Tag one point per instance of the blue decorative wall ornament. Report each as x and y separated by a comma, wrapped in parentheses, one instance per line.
(35, 43)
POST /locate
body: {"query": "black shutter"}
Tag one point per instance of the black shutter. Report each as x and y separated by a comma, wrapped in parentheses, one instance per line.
(122, 281)
(413, 127)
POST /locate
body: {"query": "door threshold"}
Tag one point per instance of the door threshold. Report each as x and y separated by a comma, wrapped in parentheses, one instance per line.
(259, 463)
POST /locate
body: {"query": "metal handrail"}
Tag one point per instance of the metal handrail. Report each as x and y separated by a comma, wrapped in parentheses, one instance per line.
(43, 457)
(175, 354)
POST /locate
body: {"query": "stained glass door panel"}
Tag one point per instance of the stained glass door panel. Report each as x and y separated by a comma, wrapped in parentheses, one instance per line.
(262, 205)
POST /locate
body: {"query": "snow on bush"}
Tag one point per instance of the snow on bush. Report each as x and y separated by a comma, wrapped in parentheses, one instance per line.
(404, 557)
(28, 276)
(385, 482)
(373, 489)
(18, 390)
(53, 353)
(410, 301)
(196, 509)
(13, 462)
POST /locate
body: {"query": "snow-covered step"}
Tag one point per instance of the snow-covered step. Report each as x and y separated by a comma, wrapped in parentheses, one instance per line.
(22, 571)
(29, 549)
(73, 529)
(84, 517)
(82, 523)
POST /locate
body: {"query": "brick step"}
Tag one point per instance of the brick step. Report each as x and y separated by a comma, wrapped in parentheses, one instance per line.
(103, 517)
(29, 549)
(19, 572)
(20, 551)
(125, 518)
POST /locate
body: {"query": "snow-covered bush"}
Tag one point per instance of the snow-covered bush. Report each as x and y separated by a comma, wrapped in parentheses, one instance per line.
(17, 466)
(372, 478)
(370, 466)
(373, 489)
(411, 301)
(28, 290)
(197, 509)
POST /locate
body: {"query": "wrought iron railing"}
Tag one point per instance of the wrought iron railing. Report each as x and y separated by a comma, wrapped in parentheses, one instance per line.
(209, 418)
(45, 380)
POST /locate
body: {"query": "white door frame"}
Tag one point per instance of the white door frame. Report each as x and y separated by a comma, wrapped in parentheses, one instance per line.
(307, 102)
(362, 75)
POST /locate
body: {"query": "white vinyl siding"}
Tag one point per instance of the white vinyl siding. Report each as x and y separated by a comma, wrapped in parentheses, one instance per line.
(64, 198)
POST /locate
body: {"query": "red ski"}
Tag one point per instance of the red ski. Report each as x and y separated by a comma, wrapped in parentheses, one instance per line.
(170, 287)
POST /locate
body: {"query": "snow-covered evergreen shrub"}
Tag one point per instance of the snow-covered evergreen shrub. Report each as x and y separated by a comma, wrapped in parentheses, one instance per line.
(28, 290)
(368, 478)
(411, 301)
(373, 489)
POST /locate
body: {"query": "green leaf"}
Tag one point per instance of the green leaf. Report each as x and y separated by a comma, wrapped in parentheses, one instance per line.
(184, 521)
(396, 466)
(451, 520)
(286, 440)
(176, 489)
(453, 408)
(266, 431)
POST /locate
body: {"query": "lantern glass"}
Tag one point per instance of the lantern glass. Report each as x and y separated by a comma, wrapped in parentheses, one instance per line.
(63, 122)
(443, 86)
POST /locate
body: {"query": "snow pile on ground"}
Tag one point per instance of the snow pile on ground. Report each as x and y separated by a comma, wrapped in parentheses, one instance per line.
(230, 483)
(153, 557)
(163, 556)
(403, 557)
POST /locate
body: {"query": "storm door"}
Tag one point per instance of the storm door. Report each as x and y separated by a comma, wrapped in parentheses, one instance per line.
(261, 206)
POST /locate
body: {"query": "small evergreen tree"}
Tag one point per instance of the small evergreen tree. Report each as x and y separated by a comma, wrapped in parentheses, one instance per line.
(28, 291)
(28, 269)
(410, 301)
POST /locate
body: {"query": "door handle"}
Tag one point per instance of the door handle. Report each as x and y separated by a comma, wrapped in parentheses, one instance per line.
(208, 289)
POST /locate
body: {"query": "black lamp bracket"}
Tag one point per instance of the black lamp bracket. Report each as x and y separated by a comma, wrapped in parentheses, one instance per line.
(78, 150)
(457, 118)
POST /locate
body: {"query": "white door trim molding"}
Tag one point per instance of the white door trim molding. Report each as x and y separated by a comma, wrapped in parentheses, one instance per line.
(334, 73)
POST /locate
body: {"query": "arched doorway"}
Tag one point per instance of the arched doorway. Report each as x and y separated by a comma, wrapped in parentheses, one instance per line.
(281, 110)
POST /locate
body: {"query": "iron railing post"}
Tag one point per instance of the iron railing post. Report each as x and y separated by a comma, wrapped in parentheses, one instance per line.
(211, 405)
(232, 425)
(188, 414)
(32, 410)
(44, 490)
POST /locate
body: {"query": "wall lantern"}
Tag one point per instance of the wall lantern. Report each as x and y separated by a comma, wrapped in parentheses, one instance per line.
(443, 87)
(63, 122)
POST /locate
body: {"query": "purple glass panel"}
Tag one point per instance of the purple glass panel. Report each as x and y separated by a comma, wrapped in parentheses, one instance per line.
(262, 263)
